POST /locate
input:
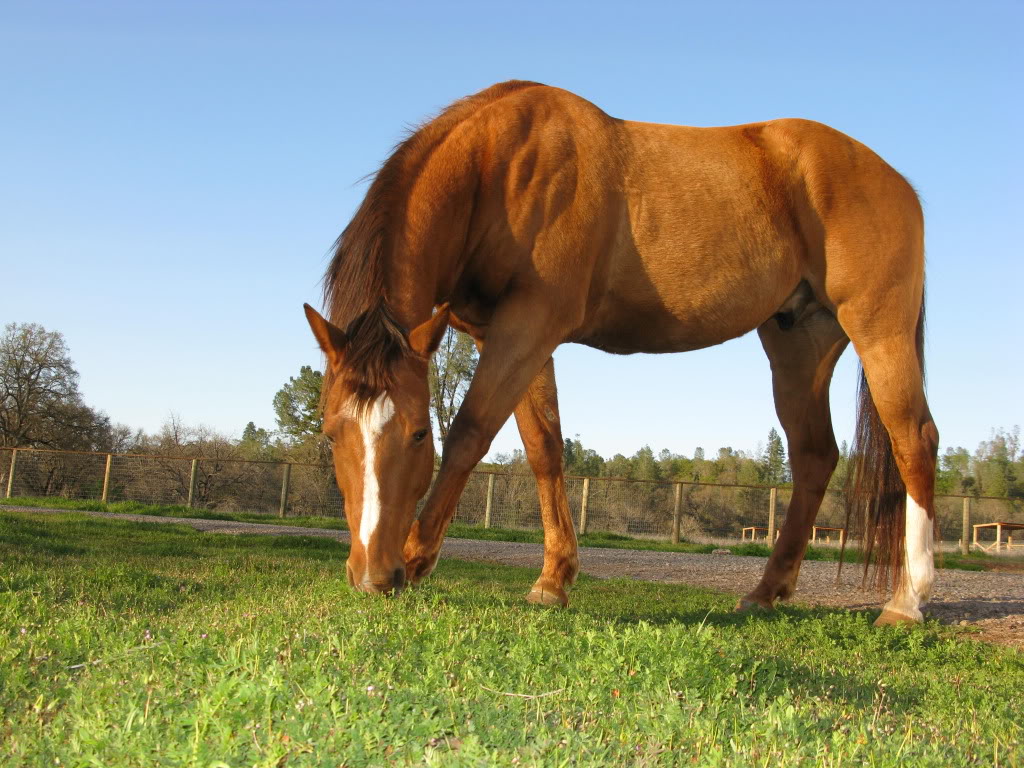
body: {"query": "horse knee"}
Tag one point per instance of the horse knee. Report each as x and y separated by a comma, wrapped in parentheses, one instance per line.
(466, 444)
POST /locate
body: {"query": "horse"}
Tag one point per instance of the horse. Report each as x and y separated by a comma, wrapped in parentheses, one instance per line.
(527, 217)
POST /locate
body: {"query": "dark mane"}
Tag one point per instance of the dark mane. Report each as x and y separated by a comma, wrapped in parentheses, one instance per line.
(376, 342)
(354, 284)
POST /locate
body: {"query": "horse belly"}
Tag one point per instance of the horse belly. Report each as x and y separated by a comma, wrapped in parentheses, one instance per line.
(629, 322)
(689, 293)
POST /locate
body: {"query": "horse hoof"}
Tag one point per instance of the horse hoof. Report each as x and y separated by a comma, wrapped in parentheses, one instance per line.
(892, 618)
(750, 605)
(549, 596)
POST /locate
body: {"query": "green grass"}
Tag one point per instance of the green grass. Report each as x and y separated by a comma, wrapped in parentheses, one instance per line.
(170, 510)
(126, 644)
(973, 562)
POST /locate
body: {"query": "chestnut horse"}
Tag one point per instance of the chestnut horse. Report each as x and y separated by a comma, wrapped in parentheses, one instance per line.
(527, 217)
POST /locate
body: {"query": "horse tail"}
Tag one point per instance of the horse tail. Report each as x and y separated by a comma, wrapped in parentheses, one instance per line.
(876, 496)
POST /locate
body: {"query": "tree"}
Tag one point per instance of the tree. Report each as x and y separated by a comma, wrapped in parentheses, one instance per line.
(994, 464)
(953, 475)
(451, 370)
(774, 470)
(297, 405)
(701, 469)
(256, 443)
(617, 466)
(579, 460)
(254, 434)
(40, 405)
(644, 467)
(838, 480)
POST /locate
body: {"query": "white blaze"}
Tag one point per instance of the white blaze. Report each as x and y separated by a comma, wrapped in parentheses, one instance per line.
(371, 424)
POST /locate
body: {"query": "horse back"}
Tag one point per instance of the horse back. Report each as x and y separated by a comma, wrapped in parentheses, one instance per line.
(723, 224)
(656, 237)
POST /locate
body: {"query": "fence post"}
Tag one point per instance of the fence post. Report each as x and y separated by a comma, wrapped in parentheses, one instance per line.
(284, 490)
(965, 541)
(773, 495)
(192, 481)
(10, 476)
(106, 479)
(583, 505)
(490, 500)
(676, 511)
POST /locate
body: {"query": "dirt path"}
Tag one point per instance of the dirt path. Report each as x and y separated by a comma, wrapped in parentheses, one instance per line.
(991, 603)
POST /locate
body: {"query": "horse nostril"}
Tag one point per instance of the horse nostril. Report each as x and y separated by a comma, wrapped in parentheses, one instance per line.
(399, 579)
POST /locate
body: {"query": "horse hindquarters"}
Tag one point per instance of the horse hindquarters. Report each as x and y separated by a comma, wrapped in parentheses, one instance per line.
(870, 271)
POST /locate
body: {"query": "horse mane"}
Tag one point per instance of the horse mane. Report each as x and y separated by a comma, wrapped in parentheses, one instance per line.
(355, 294)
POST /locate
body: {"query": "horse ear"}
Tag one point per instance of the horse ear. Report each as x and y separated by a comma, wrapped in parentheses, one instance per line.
(425, 338)
(331, 338)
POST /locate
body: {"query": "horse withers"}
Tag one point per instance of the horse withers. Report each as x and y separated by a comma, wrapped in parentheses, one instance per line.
(528, 218)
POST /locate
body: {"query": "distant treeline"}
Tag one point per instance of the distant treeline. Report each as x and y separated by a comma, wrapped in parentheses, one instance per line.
(995, 468)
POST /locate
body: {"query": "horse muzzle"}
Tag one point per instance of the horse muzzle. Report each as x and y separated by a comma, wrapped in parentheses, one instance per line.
(391, 584)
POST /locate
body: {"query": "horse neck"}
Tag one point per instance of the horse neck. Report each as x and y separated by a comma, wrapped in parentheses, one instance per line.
(427, 252)
(410, 285)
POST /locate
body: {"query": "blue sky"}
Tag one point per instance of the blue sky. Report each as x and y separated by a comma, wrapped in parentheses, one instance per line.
(172, 176)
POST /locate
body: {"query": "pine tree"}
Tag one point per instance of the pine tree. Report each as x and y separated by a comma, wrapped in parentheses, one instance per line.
(774, 468)
(297, 405)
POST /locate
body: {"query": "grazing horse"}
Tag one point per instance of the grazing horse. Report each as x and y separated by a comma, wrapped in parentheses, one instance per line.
(527, 217)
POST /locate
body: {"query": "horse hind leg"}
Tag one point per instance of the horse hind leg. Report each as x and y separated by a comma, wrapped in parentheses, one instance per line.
(893, 373)
(803, 356)
(538, 421)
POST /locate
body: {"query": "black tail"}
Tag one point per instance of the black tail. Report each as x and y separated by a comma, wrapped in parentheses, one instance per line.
(876, 496)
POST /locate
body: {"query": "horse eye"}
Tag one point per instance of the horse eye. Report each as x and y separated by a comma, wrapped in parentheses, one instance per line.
(418, 436)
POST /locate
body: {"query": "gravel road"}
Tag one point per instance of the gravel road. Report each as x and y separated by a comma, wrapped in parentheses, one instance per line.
(990, 602)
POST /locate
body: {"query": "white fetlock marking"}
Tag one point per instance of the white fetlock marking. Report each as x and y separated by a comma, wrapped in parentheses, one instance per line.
(371, 424)
(918, 565)
(919, 549)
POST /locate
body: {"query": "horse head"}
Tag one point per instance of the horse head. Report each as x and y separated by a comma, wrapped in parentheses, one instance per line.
(376, 409)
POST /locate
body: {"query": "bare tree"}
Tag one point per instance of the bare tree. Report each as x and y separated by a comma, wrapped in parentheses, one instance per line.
(451, 370)
(40, 405)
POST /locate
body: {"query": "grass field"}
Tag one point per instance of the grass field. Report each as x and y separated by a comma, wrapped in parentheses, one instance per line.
(976, 561)
(128, 644)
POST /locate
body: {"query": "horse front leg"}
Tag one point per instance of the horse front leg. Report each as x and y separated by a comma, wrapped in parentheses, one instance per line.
(520, 340)
(537, 418)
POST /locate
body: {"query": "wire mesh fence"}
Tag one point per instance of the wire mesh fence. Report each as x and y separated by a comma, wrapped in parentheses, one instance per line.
(656, 510)
(49, 473)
